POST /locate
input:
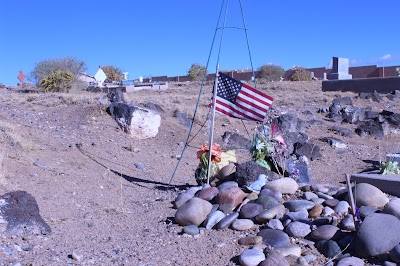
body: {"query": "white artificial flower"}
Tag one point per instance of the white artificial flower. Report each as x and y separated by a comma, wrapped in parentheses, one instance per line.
(260, 145)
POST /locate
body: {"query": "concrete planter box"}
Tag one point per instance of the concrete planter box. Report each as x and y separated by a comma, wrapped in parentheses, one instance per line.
(387, 183)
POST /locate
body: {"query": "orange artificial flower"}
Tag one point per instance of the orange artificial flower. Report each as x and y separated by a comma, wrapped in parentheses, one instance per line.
(215, 152)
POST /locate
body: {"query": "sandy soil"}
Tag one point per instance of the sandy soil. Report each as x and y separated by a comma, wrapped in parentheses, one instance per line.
(98, 201)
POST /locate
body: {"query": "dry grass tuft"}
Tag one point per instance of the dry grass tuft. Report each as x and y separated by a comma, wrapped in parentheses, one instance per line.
(9, 134)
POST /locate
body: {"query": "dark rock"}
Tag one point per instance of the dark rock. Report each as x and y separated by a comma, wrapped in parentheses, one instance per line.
(369, 114)
(334, 117)
(233, 140)
(273, 237)
(341, 131)
(374, 96)
(370, 128)
(328, 248)
(153, 106)
(392, 118)
(353, 115)
(343, 101)
(21, 212)
(335, 108)
(248, 172)
(309, 150)
(334, 142)
(294, 137)
(393, 95)
(183, 118)
(122, 113)
(288, 123)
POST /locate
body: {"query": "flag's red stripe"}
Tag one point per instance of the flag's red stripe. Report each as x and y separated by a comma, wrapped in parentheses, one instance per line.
(258, 92)
(238, 111)
(252, 104)
(251, 110)
(255, 97)
(231, 114)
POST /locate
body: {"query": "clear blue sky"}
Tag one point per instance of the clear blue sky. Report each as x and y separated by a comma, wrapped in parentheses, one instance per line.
(158, 37)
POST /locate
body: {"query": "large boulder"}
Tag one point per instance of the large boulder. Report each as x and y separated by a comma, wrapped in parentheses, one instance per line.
(20, 212)
(140, 123)
(369, 195)
(194, 211)
(378, 234)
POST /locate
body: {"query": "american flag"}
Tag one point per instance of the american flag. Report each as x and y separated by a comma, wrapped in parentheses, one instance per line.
(239, 100)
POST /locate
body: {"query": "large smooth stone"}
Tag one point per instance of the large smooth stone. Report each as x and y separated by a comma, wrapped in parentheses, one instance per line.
(328, 248)
(274, 258)
(378, 234)
(250, 240)
(275, 212)
(350, 261)
(368, 195)
(213, 218)
(228, 199)
(324, 232)
(342, 208)
(297, 205)
(393, 207)
(395, 254)
(267, 202)
(299, 215)
(275, 224)
(227, 184)
(272, 193)
(194, 211)
(251, 257)
(250, 210)
(182, 199)
(207, 193)
(227, 220)
(242, 224)
(284, 185)
(273, 237)
(348, 223)
(291, 250)
(298, 229)
(316, 211)
(226, 171)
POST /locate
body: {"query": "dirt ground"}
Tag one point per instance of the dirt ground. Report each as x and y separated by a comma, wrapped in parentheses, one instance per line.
(105, 194)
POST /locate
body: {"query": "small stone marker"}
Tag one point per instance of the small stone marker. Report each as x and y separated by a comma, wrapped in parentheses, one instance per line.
(340, 69)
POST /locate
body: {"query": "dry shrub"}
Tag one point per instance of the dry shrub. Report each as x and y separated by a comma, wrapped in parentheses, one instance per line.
(301, 74)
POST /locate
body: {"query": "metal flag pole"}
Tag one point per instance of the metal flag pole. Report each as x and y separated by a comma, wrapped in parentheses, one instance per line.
(210, 142)
(199, 95)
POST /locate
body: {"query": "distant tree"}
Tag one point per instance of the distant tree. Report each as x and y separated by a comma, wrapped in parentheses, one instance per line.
(113, 73)
(66, 64)
(301, 74)
(270, 72)
(57, 81)
(196, 72)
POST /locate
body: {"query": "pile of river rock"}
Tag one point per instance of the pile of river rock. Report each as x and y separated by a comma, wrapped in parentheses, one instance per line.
(283, 220)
